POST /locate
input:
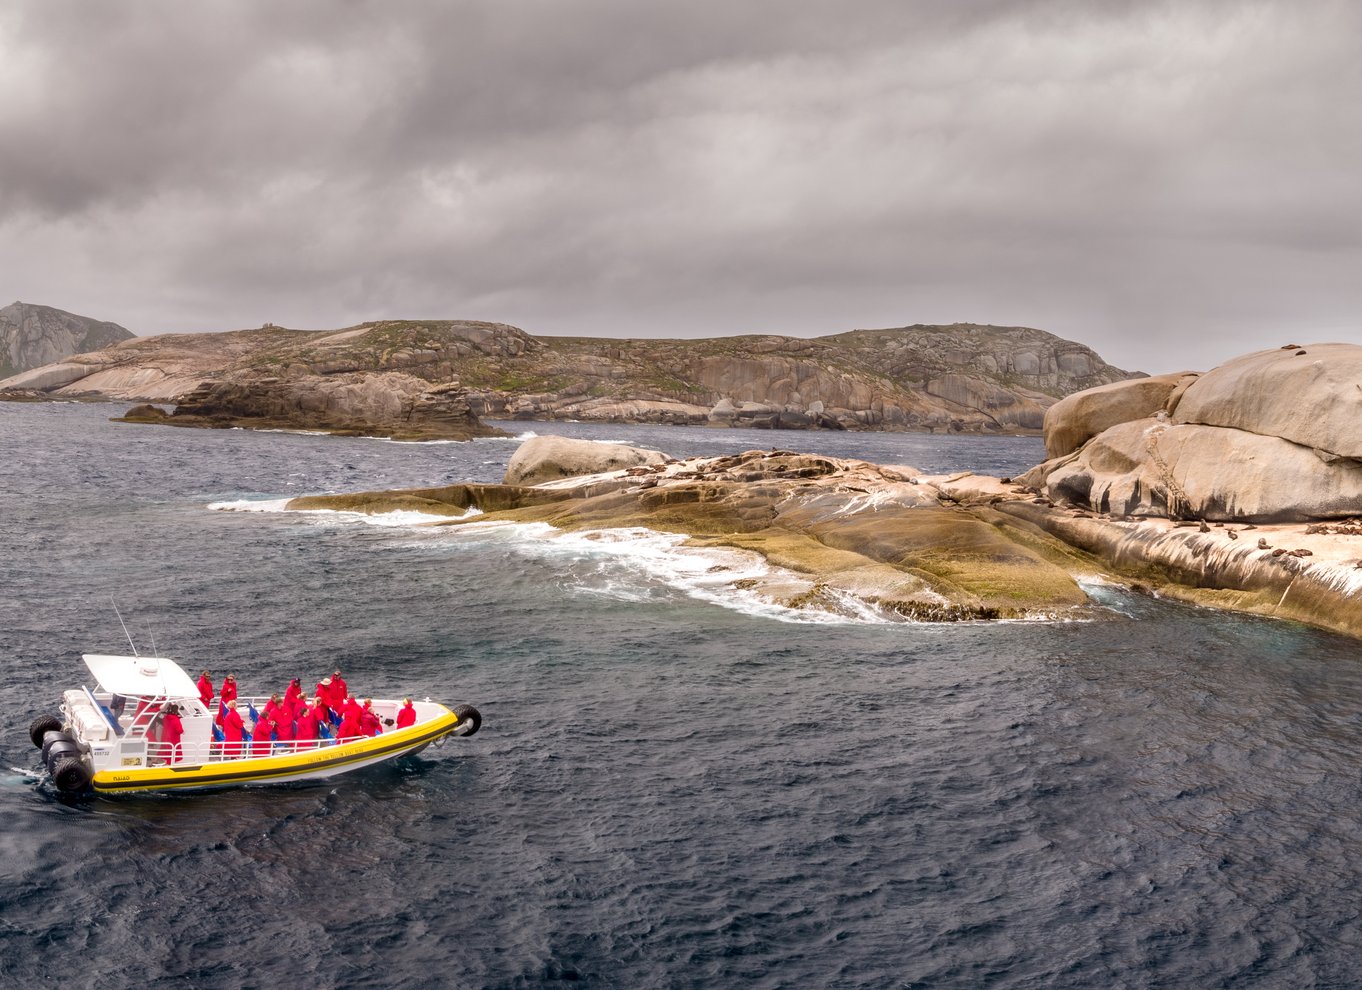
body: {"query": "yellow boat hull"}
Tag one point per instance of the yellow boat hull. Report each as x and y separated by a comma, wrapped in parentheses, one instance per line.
(307, 764)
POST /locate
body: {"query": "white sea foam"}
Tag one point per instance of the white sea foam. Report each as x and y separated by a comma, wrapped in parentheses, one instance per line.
(251, 505)
(634, 564)
(631, 564)
(426, 443)
(399, 517)
(518, 438)
(395, 518)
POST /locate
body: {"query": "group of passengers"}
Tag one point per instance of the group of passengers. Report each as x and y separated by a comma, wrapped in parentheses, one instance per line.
(290, 718)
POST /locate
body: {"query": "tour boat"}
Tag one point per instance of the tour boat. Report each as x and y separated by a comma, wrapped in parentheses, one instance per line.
(108, 738)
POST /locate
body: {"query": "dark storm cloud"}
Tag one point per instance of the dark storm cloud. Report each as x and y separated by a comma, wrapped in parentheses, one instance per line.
(1133, 175)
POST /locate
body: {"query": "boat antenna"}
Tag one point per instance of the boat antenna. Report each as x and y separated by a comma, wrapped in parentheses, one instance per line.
(125, 627)
(152, 633)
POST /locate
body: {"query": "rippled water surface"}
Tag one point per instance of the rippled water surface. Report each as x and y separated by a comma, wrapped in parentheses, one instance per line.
(668, 791)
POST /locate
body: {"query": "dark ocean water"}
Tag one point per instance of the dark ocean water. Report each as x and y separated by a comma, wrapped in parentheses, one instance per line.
(669, 790)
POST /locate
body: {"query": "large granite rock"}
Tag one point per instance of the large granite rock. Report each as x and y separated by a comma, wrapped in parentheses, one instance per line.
(551, 458)
(1152, 468)
(33, 336)
(1310, 395)
(1274, 436)
(1074, 420)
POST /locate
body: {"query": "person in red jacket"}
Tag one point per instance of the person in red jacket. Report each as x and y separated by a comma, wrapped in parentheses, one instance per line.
(293, 692)
(233, 730)
(339, 685)
(368, 719)
(283, 727)
(261, 745)
(326, 694)
(350, 726)
(228, 691)
(351, 706)
(205, 689)
(307, 726)
(172, 731)
(406, 715)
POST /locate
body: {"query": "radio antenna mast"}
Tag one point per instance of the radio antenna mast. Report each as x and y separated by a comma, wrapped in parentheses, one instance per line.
(125, 627)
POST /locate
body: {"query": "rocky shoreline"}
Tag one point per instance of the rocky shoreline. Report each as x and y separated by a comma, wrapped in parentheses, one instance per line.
(1239, 489)
(839, 535)
(1307, 572)
(842, 535)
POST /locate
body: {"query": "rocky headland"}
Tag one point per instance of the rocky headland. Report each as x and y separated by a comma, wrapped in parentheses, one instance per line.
(959, 378)
(1239, 488)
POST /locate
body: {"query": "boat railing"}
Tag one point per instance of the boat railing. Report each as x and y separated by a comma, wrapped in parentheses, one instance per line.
(213, 751)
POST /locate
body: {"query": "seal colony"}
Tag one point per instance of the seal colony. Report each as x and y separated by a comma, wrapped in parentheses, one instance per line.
(1240, 488)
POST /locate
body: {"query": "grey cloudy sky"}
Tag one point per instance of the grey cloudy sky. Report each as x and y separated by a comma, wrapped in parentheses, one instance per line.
(1170, 183)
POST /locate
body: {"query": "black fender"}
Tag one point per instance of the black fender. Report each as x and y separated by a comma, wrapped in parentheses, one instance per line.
(42, 725)
(71, 775)
(51, 738)
(62, 749)
(467, 713)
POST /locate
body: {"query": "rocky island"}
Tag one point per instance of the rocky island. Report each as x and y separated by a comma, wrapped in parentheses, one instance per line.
(439, 378)
(33, 336)
(1239, 488)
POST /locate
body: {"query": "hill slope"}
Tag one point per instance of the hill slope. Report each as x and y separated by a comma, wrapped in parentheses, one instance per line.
(963, 377)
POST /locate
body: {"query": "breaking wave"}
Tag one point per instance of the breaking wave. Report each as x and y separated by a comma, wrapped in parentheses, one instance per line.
(394, 519)
(636, 564)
